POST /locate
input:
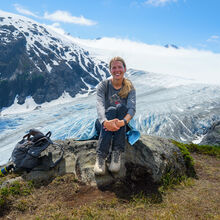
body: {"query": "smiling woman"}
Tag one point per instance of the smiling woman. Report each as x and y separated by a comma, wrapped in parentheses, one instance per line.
(116, 105)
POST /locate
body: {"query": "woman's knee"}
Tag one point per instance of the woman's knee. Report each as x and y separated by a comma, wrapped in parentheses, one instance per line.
(121, 110)
(111, 113)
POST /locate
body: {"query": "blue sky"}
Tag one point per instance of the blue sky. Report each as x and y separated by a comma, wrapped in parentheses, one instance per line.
(185, 23)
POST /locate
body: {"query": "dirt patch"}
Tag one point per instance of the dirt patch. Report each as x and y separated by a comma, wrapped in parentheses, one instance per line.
(87, 195)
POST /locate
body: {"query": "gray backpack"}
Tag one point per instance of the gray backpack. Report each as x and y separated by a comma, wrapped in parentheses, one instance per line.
(27, 152)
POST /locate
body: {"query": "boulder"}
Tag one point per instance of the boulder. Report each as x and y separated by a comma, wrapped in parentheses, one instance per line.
(146, 162)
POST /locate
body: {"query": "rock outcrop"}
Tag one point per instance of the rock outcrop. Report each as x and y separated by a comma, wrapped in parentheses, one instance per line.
(212, 137)
(146, 162)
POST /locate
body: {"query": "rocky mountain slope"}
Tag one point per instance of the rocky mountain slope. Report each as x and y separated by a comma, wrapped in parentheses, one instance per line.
(37, 62)
(212, 137)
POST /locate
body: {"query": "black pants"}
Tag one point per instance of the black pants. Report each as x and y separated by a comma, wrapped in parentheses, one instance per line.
(117, 137)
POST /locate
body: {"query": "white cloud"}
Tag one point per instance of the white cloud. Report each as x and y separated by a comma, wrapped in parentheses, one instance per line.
(66, 17)
(213, 38)
(201, 65)
(24, 11)
(158, 2)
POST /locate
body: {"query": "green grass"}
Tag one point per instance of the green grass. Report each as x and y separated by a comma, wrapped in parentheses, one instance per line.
(201, 149)
(189, 162)
(12, 192)
(204, 149)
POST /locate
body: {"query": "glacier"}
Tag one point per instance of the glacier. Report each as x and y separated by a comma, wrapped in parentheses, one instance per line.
(167, 106)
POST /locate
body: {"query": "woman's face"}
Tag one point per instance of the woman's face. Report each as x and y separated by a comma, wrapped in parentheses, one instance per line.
(117, 70)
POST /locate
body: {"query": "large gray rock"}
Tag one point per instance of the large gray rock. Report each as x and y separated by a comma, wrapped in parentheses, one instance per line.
(147, 161)
(212, 137)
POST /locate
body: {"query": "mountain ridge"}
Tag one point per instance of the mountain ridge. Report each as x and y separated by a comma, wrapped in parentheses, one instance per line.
(35, 61)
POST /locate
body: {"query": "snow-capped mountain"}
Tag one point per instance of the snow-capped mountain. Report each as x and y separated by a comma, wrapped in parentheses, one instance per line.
(36, 61)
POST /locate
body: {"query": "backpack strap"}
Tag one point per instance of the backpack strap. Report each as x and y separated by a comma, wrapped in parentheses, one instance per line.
(36, 134)
(48, 134)
(61, 156)
(52, 164)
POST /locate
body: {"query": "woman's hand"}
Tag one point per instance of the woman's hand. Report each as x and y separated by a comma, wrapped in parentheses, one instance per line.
(110, 125)
(119, 123)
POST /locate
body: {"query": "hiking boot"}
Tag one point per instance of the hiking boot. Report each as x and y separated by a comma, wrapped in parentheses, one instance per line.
(99, 167)
(115, 164)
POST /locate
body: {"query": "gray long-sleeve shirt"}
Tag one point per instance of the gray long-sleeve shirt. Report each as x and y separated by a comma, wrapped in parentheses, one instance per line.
(105, 99)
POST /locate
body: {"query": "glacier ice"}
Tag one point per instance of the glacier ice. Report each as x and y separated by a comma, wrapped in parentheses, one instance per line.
(166, 106)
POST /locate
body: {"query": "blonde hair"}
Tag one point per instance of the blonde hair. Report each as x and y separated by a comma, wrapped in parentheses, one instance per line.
(126, 84)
